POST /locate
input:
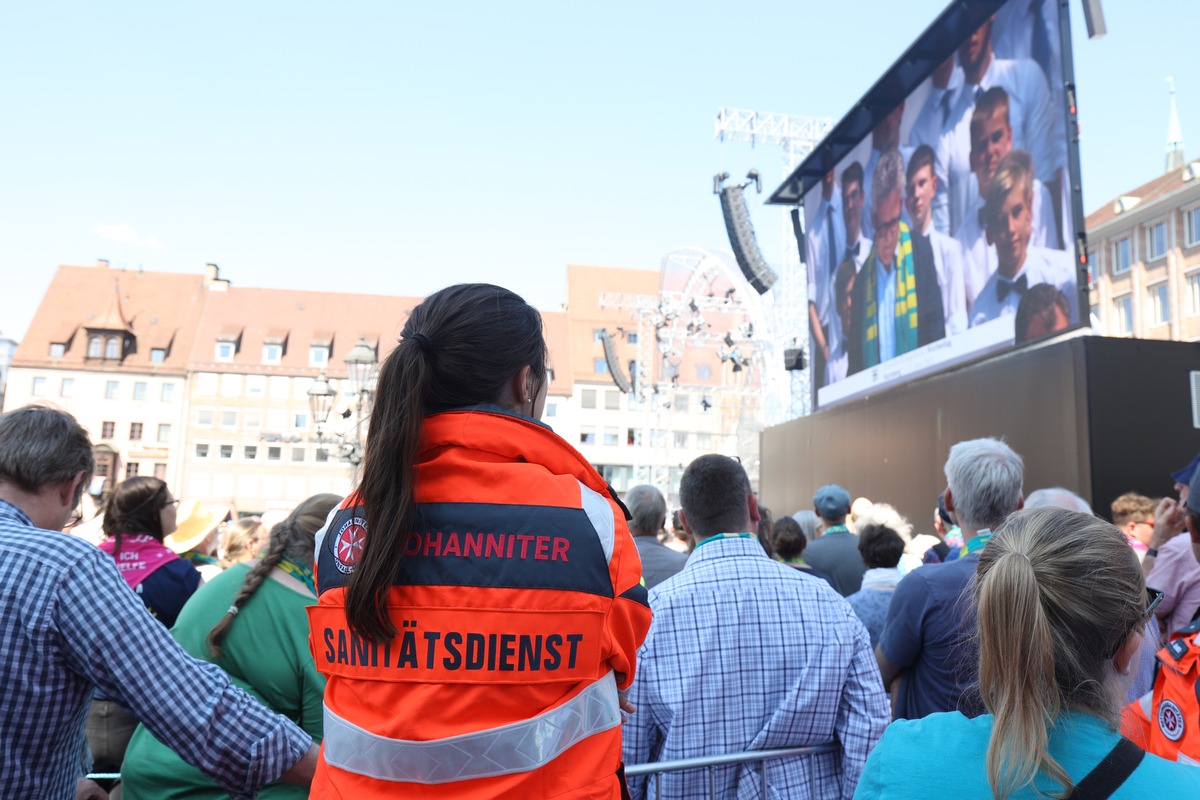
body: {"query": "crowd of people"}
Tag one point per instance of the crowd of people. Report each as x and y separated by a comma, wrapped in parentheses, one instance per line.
(485, 617)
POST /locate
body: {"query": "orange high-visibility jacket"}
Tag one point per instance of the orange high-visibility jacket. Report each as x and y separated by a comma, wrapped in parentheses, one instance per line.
(519, 609)
(1166, 720)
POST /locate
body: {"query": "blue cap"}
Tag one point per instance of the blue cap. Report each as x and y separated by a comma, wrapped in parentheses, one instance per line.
(1193, 498)
(1185, 475)
(831, 502)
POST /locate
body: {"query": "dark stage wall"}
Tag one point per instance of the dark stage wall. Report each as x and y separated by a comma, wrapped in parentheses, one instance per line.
(1099, 416)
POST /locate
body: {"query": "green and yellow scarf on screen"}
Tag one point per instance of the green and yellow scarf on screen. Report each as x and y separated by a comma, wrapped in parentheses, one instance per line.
(905, 316)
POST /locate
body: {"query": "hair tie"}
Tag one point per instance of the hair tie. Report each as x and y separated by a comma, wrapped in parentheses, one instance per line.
(232, 610)
(423, 341)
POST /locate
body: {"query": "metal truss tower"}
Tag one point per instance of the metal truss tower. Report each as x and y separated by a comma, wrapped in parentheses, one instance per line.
(784, 308)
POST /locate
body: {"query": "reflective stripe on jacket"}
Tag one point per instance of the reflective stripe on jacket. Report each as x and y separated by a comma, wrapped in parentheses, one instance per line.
(519, 609)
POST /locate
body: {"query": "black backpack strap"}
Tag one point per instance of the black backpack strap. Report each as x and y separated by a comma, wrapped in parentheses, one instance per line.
(1110, 773)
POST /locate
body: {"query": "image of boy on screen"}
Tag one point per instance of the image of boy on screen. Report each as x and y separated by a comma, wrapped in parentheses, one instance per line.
(825, 245)
(991, 141)
(1036, 124)
(843, 288)
(931, 246)
(1043, 310)
(895, 308)
(1019, 265)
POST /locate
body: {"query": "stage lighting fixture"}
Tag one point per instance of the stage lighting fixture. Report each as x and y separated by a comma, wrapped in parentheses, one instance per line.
(793, 359)
(741, 233)
(1093, 15)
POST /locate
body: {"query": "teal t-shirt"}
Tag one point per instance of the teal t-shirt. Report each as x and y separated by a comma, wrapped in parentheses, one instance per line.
(899, 766)
(265, 652)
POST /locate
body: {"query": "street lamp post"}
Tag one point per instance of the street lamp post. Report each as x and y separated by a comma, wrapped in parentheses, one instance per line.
(361, 363)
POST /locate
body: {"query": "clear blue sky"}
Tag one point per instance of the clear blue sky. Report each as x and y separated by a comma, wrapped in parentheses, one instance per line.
(396, 147)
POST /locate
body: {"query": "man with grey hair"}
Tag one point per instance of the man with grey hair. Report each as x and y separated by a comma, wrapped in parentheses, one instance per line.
(648, 516)
(70, 624)
(1058, 497)
(896, 303)
(927, 643)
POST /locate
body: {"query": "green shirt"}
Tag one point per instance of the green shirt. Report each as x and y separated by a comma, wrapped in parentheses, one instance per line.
(265, 652)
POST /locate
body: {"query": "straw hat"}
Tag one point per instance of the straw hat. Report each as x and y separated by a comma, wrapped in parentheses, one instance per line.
(195, 521)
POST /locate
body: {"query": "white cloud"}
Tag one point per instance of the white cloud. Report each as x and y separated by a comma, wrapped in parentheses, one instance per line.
(125, 234)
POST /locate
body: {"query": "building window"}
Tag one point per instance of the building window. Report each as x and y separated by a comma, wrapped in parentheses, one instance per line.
(1160, 301)
(1122, 256)
(164, 432)
(272, 353)
(299, 421)
(704, 441)
(704, 372)
(68, 388)
(1124, 308)
(681, 439)
(168, 393)
(95, 347)
(226, 452)
(250, 452)
(600, 366)
(228, 419)
(633, 437)
(611, 437)
(658, 438)
(681, 403)
(612, 400)
(157, 355)
(256, 385)
(252, 419)
(1193, 290)
(597, 334)
(111, 389)
(274, 453)
(112, 349)
(160, 471)
(1156, 241)
(322, 455)
(1191, 227)
(57, 349)
(204, 417)
(224, 351)
(587, 435)
(297, 455)
(39, 387)
(318, 355)
(551, 409)
(139, 390)
(135, 431)
(107, 429)
(631, 338)
(201, 450)
(588, 398)
(131, 470)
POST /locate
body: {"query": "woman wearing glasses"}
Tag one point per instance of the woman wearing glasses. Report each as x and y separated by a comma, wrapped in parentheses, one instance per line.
(138, 514)
(1062, 608)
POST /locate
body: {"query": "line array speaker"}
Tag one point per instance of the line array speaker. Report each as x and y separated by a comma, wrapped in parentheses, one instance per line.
(743, 240)
(614, 363)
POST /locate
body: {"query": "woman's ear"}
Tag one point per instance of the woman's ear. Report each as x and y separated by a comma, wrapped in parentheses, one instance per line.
(1126, 659)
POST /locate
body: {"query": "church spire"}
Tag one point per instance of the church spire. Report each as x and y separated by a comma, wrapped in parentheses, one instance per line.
(1175, 157)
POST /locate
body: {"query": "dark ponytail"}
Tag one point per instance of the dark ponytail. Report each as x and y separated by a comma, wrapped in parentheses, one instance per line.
(459, 348)
(135, 508)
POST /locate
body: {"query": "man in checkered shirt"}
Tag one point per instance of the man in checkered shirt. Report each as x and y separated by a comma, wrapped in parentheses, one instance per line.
(69, 623)
(746, 653)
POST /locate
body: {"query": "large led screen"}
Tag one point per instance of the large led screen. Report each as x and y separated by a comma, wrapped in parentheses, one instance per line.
(948, 230)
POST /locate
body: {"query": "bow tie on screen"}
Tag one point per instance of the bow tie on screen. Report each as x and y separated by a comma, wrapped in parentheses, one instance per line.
(852, 251)
(1003, 287)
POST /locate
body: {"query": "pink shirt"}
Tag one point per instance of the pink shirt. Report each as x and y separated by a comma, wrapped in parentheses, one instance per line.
(1177, 575)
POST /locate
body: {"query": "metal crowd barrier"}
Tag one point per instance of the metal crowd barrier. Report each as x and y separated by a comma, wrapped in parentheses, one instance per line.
(658, 768)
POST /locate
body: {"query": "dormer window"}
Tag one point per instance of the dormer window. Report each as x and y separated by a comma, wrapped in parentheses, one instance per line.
(112, 348)
(225, 351)
(158, 355)
(57, 349)
(318, 355)
(272, 353)
(95, 347)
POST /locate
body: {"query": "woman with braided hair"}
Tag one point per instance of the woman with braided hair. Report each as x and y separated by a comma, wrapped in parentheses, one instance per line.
(251, 621)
